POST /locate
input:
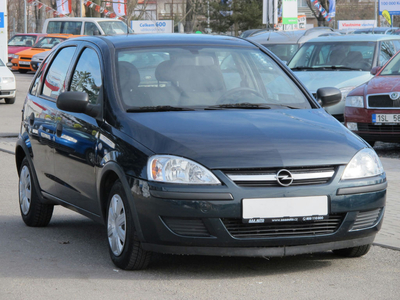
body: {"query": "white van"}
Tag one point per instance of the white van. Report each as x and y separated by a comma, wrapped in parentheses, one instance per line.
(85, 26)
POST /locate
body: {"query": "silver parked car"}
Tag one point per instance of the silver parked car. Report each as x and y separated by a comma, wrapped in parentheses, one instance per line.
(284, 44)
(344, 62)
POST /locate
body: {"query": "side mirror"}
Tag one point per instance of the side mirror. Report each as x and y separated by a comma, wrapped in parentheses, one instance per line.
(375, 70)
(9, 65)
(78, 102)
(328, 96)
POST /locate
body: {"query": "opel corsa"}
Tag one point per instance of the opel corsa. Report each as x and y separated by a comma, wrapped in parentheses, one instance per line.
(191, 144)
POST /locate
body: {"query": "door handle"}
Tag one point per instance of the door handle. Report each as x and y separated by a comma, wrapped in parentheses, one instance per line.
(59, 129)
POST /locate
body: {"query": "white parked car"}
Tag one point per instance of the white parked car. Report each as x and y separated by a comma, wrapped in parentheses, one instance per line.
(7, 84)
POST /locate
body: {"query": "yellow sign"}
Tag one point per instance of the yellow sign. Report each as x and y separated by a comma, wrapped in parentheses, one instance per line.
(386, 14)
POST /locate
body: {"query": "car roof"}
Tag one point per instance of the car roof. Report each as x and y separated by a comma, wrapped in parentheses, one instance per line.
(140, 40)
(354, 38)
(277, 37)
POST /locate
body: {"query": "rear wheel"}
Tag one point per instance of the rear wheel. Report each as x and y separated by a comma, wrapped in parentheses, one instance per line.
(33, 212)
(9, 100)
(125, 248)
(353, 252)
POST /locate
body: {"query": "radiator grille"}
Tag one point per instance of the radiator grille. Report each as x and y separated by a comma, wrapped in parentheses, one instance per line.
(272, 230)
(268, 177)
(382, 101)
(188, 227)
(378, 128)
(366, 219)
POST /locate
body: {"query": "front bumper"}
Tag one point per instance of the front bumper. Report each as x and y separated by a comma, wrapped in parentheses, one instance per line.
(7, 93)
(208, 220)
(369, 131)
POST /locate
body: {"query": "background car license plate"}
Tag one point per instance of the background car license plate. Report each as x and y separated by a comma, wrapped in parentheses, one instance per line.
(386, 118)
(25, 63)
(262, 210)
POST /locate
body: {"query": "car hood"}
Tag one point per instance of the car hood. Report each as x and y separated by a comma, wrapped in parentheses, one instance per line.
(226, 139)
(31, 52)
(15, 49)
(383, 84)
(314, 80)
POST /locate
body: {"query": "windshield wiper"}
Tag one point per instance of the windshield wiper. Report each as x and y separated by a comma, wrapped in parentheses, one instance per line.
(158, 108)
(303, 68)
(245, 105)
(339, 68)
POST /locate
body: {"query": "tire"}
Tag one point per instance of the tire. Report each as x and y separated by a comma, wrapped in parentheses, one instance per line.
(9, 100)
(23, 71)
(124, 246)
(33, 212)
(353, 252)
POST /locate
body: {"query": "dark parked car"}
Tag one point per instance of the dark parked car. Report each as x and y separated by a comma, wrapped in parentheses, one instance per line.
(226, 153)
(373, 109)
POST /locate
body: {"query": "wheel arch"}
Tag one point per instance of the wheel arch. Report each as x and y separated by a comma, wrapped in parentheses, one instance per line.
(110, 173)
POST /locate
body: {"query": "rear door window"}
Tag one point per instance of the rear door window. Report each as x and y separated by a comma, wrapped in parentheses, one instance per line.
(54, 81)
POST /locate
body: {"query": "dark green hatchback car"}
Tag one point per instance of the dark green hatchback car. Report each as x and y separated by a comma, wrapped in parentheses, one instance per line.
(193, 144)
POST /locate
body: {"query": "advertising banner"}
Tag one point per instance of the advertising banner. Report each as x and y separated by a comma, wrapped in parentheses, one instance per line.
(153, 26)
(64, 7)
(332, 8)
(289, 11)
(119, 7)
(392, 6)
(356, 24)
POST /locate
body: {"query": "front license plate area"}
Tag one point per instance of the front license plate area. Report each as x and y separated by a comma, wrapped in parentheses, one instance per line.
(290, 209)
(385, 118)
(25, 63)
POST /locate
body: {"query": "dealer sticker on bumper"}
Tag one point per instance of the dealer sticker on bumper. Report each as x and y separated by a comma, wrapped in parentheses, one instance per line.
(290, 209)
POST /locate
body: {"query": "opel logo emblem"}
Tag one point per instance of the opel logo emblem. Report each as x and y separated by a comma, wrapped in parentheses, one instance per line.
(284, 177)
(394, 96)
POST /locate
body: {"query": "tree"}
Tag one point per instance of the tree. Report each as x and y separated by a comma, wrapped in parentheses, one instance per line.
(241, 14)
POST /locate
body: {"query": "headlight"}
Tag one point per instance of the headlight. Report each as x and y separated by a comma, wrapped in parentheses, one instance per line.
(15, 56)
(7, 79)
(69, 138)
(364, 164)
(355, 101)
(173, 169)
(345, 91)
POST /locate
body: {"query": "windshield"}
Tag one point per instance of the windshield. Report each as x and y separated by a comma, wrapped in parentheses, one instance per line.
(204, 77)
(114, 27)
(393, 67)
(356, 56)
(48, 42)
(283, 51)
(22, 40)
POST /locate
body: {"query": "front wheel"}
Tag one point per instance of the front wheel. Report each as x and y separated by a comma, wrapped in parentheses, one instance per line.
(9, 100)
(353, 251)
(33, 212)
(124, 246)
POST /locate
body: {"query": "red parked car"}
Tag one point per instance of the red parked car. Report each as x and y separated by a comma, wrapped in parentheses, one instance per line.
(373, 108)
(22, 41)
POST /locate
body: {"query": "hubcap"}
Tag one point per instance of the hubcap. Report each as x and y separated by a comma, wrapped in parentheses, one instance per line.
(116, 225)
(25, 190)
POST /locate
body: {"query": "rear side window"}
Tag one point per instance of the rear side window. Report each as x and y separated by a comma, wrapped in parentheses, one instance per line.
(87, 75)
(54, 82)
(70, 27)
